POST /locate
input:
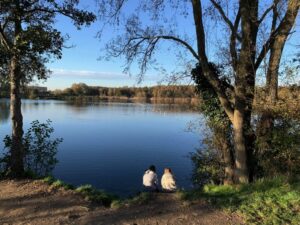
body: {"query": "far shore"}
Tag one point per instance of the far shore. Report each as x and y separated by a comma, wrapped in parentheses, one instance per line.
(284, 106)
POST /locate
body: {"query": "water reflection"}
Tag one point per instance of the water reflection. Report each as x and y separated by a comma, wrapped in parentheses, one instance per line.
(108, 143)
(4, 111)
(82, 105)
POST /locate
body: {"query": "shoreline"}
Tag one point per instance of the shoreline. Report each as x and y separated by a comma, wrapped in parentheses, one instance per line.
(36, 202)
(282, 107)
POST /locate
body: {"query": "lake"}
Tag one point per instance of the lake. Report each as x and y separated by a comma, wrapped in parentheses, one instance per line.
(109, 144)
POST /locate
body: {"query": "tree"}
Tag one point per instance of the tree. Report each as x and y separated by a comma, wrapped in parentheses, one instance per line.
(275, 44)
(244, 23)
(80, 89)
(219, 141)
(28, 39)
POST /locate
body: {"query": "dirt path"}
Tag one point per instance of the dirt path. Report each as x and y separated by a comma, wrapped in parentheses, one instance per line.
(34, 202)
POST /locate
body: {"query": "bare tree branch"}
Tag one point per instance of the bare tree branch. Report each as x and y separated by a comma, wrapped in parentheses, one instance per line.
(184, 43)
(282, 29)
(225, 18)
(267, 11)
(233, 38)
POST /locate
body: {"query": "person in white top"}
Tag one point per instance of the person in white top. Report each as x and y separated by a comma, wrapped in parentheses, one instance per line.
(168, 182)
(150, 180)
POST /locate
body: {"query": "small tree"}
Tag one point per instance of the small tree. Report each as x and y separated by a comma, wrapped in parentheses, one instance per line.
(27, 40)
(39, 149)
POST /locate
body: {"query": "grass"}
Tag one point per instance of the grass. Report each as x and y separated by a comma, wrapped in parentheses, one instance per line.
(140, 199)
(267, 201)
(89, 192)
(99, 196)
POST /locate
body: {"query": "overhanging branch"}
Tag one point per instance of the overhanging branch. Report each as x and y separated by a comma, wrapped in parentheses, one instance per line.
(184, 43)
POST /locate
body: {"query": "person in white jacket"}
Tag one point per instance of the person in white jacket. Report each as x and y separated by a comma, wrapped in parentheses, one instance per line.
(168, 182)
(150, 180)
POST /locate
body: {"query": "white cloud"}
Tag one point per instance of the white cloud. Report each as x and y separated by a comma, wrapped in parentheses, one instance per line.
(88, 74)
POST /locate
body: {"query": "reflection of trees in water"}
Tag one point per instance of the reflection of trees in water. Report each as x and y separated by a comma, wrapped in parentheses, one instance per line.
(4, 111)
(83, 104)
(33, 105)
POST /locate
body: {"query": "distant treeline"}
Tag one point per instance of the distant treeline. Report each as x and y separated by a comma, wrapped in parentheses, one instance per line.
(31, 92)
(170, 91)
(286, 93)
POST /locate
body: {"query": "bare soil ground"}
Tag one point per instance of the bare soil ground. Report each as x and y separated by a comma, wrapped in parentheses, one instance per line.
(35, 202)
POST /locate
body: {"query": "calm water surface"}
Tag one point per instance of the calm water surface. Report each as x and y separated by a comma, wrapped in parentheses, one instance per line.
(109, 145)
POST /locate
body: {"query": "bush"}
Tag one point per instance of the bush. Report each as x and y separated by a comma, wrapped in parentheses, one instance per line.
(278, 151)
(207, 167)
(39, 149)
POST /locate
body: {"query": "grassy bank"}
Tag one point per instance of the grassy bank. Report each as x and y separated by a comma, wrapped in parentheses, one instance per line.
(98, 196)
(269, 201)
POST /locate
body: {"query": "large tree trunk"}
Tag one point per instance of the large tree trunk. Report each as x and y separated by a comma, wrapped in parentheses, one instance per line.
(227, 157)
(16, 163)
(221, 139)
(244, 92)
(239, 142)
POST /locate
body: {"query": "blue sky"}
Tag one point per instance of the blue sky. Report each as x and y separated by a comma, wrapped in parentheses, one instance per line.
(81, 63)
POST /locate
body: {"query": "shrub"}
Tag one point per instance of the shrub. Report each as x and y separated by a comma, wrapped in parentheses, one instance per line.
(278, 151)
(207, 167)
(39, 149)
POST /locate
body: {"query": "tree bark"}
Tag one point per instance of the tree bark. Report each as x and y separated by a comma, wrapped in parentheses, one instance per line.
(17, 154)
(277, 46)
(16, 163)
(228, 157)
(241, 168)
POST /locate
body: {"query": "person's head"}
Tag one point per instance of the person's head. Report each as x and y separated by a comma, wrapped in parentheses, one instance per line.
(152, 168)
(167, 170)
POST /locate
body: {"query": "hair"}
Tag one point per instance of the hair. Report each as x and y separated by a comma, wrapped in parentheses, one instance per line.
(152, 168)
(167, 170)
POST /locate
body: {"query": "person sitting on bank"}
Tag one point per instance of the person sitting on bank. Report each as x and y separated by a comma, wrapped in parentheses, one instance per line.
(150, 180)
(168, 181)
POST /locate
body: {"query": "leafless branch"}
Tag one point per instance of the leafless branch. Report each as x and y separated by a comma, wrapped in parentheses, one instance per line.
(226, 19)
(233, 38)
(267, 12)
(281, 29)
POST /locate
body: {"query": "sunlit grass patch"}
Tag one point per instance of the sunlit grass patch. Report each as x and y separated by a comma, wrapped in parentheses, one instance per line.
(142, 198)
(267, 201)
(96, 195)
(139, 199)
(49, 179)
